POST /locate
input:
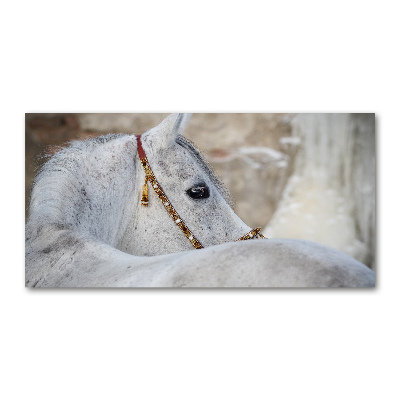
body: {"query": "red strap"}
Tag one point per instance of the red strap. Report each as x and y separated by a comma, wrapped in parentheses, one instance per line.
(141, 152)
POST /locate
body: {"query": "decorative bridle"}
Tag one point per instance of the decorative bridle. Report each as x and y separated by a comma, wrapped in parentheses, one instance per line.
(150, 177)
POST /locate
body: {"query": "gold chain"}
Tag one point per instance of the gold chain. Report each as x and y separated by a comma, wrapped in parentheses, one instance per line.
(253, 234)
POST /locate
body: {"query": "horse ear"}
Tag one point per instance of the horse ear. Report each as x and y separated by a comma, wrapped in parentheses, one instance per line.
(181, 122)
(164, 134)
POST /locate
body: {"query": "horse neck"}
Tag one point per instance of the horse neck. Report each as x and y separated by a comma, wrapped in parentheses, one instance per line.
(91, 194)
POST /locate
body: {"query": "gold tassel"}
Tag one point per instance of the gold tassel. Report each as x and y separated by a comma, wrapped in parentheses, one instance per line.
(145, 195)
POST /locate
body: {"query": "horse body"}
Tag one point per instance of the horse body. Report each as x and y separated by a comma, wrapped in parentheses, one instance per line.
(87, 227)
(281, 263)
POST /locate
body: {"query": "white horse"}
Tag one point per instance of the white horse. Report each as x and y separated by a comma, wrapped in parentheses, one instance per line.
(88, 228)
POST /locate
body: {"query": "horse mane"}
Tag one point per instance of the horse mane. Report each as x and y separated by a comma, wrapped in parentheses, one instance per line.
(83, 188)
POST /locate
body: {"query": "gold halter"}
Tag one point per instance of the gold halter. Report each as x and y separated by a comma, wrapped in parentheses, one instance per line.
(150, 177)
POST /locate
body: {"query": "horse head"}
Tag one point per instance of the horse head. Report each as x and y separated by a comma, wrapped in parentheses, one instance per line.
(197, 195)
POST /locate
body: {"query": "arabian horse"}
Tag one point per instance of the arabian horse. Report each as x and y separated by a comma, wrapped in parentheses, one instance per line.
(148, 211)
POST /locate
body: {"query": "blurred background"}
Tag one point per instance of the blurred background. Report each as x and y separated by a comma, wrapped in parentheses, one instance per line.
(304, 176)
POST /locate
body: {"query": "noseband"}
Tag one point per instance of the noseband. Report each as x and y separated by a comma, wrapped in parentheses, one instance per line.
(150, 177)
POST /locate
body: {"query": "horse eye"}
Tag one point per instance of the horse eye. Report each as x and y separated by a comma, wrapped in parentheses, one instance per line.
(199, 192)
